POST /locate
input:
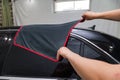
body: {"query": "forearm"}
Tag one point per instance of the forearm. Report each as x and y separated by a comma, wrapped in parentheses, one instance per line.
(90, 69)
(110, 15)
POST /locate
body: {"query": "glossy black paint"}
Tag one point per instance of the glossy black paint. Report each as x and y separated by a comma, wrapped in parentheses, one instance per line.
(108, 43)
(15, 61)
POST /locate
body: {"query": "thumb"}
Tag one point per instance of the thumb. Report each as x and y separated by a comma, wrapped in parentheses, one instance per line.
(59, 57)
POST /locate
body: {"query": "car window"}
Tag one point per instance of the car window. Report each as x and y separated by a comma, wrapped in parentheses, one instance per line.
(90, 53)
(74, 45)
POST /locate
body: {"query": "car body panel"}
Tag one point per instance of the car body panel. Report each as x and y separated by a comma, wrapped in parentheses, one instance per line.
(19, 62)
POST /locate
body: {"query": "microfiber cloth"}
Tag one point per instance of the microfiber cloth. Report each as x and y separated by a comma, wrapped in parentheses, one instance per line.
(45, 39)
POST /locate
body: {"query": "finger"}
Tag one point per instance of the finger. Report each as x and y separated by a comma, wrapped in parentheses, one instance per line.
(83, 19)
(60, 58)
(57, 56)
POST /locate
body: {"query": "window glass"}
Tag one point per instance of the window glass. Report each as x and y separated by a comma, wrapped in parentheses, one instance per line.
(74, 45)
(90, 53)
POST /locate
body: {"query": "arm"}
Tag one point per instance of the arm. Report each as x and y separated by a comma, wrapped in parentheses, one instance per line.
(110, 15)
(90, 69)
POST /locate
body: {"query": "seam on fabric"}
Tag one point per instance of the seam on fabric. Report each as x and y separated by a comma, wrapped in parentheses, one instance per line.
(38, 53)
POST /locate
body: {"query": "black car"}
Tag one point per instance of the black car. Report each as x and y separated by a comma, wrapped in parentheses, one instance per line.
(19, 63)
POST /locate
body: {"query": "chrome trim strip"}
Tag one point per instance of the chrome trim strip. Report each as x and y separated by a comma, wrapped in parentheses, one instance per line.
(30, 78)
(76, 35)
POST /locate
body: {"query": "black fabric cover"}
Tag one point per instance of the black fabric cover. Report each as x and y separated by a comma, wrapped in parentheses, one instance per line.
(44, 40)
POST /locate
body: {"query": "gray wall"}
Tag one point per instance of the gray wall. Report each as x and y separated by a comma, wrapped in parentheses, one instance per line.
(41, 12)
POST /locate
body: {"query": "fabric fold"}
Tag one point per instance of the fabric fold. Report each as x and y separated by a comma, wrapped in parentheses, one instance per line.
(44, 40)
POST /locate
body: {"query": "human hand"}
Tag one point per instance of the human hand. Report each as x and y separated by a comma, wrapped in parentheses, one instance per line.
(89, 15)
(64, 52)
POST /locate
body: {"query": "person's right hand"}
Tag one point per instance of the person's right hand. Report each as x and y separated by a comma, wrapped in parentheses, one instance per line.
(89, 15)
(64, 52)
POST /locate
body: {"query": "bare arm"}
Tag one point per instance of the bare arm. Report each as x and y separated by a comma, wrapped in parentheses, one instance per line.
(110, 15)
(90, 69)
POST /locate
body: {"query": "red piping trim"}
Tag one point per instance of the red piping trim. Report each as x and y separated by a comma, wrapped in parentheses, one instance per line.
(35, 52)
(14, 40)
(70, 32)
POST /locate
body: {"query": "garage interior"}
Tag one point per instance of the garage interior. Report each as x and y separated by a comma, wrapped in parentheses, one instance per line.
(16, 13)
(25, 12)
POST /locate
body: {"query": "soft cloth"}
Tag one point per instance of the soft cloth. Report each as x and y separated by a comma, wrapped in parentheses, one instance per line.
(44, 40)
